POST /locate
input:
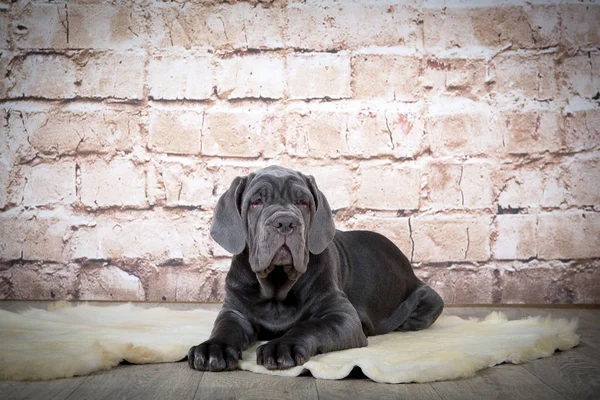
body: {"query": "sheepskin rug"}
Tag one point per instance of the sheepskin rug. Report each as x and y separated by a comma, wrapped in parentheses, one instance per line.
(79, 340)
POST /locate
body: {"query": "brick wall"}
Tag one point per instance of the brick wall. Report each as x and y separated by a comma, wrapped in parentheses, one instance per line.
(468, 131)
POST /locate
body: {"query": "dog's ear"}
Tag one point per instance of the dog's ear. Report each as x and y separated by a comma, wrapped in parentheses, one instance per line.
(322, 229)
(227, 228)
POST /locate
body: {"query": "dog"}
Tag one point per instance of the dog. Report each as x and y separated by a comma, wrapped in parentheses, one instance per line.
(301, 284)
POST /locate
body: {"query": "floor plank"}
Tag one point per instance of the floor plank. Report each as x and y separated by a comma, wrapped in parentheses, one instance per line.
(504, 381)
(150, 381)
(57, 389)
(348, 389)
(574, 373)
(247, 385)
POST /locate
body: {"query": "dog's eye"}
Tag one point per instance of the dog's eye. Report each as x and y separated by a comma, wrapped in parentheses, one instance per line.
(256, 203)
(303, 204)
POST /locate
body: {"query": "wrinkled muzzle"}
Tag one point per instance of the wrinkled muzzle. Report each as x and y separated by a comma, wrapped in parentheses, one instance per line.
(279, 255)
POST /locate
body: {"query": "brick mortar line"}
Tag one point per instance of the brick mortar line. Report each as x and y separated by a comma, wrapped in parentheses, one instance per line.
(474, 52)
(520, 160)
(321, 104)
(501, 264)
(164, 212)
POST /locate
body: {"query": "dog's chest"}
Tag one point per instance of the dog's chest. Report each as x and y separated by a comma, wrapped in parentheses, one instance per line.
(275, 316)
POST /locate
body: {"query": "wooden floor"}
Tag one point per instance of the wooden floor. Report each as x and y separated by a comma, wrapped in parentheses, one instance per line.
(574, 374)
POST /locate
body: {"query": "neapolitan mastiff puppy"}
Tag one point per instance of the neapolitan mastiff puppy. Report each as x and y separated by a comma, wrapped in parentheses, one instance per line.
(297, 282)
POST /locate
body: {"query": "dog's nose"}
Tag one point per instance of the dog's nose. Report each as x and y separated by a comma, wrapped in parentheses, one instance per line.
(285, 224)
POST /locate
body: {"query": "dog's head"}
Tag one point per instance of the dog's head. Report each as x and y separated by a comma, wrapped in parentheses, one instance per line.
(280, 216)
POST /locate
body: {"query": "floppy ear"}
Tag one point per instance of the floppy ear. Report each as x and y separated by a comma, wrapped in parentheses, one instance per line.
(227, 228)
(323, 229)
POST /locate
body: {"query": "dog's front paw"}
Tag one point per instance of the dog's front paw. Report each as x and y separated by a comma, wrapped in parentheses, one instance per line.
(279, 354)
(214, 355)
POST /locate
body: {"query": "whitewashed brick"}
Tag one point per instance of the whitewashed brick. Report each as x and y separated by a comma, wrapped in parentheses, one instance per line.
(395, 229)
(154, 239)
(387, 77)
(477, 185)
(524, 76)
(319, 75)
(385, 186)
(371, 133)
(582, 180)
(34, 237)
(251, 76)
(532, 131)
(41, 26)
(544, 20)
(453, 184)
(77, 26)
(582, 128)
(187, 185)
(316, 134)
(466, 77)
(516, 237)
(4, 31)
(44, 281)
(241, 133)
(119, 183)
(351, 25)
(109, 283)
(462, 127)
(260, 27)
(565, 235)
(225, 27)
(5, 57)
(4, 182)
(185, 285)
(587, 282)
(180, 76)
(489, 26)
(176, 130)
(580, 25)
(443, 184)
(106, 26)
(49, 183)
(531, 186)
(81, 130)
(118, 75)
(49, 76)
(460, 284)
(444, 238)
(532, 283)
(576, 77)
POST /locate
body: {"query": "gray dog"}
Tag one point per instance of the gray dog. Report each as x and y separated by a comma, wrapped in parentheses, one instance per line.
(299, 283)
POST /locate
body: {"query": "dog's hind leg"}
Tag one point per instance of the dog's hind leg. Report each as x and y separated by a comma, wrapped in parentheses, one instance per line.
(426, 306)
(420, 309)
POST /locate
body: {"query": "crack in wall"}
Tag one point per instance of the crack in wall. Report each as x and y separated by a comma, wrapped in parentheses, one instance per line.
(389, 131)
(224, 28)
(468, 244)
(65, 21)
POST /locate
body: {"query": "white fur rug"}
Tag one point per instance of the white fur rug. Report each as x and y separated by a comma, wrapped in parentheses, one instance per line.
(78, 340)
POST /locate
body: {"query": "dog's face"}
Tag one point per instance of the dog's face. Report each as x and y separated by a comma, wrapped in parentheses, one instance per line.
(280, 216)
